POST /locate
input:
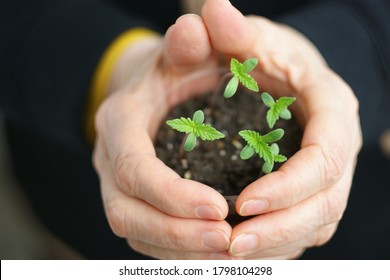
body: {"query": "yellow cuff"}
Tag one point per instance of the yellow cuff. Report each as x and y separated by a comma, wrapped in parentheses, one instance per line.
(102, 76)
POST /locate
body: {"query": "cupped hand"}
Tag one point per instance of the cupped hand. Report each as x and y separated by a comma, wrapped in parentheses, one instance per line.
(300, 205)
(165, 216)
(159, 213)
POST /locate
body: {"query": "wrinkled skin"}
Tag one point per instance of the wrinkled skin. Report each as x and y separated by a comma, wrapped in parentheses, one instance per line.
(168, 217)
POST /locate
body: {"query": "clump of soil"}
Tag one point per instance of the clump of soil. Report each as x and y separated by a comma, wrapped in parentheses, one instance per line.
(217, 163)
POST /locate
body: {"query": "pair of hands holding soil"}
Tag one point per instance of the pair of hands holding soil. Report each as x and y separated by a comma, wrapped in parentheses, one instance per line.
(168, 217)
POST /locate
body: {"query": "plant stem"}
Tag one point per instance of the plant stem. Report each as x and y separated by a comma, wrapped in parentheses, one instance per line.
(214, 96)
(181, 148)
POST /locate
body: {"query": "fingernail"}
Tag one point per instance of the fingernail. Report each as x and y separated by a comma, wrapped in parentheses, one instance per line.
(243, 244)
(216, 239)
(254, 207)
(210, 212)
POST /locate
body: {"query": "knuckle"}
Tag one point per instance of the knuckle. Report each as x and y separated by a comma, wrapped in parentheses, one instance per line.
(136, 245)
(175, 237)
(101, 115)
(282, 235)
(116, 216)
(125, 176)
(96, 160)
(325, 234)
(354, 104)
(350, 97)
(334, 163)
(296, 254)
(333, 207)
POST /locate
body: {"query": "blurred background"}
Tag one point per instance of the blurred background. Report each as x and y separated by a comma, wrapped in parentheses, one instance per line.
(21, 234)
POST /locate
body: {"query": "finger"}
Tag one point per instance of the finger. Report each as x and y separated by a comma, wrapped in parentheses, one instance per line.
(283, 227)
(188, 64)
(284, 54)
(296, 248)
(186, 43)
(328, 154)
(229, 31)
(307, 172)
(287, 256)
(151, 226)
(139, 173)
(136, 220)
(166, 254)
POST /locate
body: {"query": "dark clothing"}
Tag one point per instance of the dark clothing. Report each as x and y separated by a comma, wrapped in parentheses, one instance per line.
(49, 50)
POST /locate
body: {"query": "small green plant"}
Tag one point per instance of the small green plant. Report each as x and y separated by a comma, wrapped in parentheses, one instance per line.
(194, 128)
(240, 74)
(260, 144)
(263, 145)
(277, 109)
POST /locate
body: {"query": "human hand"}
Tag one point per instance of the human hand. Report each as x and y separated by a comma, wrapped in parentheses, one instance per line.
(300, 205)
(159, 213)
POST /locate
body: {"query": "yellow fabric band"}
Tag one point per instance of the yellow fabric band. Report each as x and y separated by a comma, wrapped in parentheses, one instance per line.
(102, 76)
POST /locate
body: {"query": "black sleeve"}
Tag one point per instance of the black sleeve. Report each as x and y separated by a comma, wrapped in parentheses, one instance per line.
(48, 52)
(354, 38)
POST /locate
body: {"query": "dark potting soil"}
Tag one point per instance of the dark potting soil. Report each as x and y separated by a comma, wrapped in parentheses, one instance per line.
(217, 163)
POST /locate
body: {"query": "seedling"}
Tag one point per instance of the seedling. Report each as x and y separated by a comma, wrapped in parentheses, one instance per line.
(260, 144)
(277, 109)
(240, 75)
(194, 128)
(263, 145)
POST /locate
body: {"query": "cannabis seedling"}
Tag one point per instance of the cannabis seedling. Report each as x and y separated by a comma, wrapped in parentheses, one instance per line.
(263, 145)
(240, 74)
(277, 109)
(260, 144)
(194, 128)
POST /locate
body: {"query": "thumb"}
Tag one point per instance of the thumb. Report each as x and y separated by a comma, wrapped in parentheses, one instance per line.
(230, 33)
(186, 43)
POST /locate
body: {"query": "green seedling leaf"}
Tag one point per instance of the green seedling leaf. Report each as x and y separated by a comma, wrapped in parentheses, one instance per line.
(182, 125)
(275, 149)
(277, 109)
(248, 82)
(280, 158)
(247, 152)
(207, 132)
(240, 74)
(198, 117)
(267, 167)
(236, 67)
(260, 145)
(273, 136)
(285, 114)
(255, 140)
(267, 99)
(195, 128)
(190, 142)
(231, 87)
(275, 152)
(250, 64)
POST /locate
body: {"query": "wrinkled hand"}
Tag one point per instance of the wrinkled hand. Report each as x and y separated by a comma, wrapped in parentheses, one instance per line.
(165, 216)
(159, 213)
(301, 203)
